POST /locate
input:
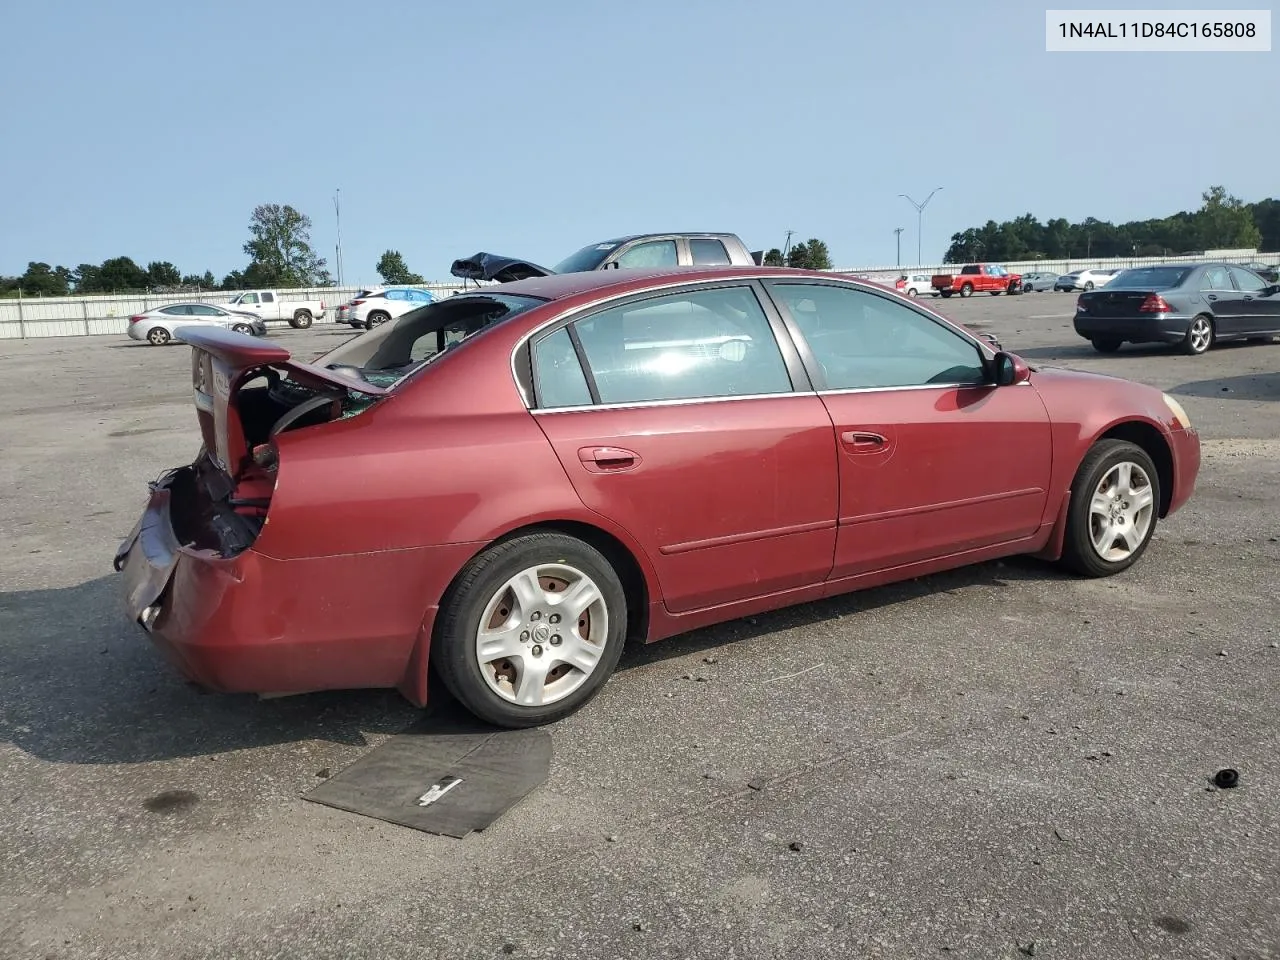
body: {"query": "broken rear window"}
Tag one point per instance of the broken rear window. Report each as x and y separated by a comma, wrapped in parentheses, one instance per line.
(393, 351)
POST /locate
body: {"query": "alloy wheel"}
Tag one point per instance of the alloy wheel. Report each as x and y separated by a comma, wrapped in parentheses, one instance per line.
(1120, 511)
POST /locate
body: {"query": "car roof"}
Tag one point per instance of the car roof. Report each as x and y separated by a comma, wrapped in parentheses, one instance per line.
(563, 285)
(670, 233)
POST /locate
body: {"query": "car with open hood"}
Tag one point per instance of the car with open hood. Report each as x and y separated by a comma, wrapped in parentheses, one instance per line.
(507, 485)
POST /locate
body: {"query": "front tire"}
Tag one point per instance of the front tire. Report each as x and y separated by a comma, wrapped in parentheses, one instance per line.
(242, 328)
(1115, 503)
(1106, 344)
(1199, 337)
(158, 336)
(301, 320)
(531, 630)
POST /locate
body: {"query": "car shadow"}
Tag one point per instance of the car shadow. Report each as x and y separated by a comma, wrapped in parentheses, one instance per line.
(82, 685)
(1249, 386)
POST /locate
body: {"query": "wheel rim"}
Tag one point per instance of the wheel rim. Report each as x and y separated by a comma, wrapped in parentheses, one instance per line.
(242, 328)
(542, 635)
(1120, 512)
(157, 336)
(1200, 333)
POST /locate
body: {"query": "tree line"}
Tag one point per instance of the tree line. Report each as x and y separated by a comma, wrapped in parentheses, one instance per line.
(1222, 222)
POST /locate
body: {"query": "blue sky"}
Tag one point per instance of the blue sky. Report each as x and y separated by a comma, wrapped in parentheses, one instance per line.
(151, 129)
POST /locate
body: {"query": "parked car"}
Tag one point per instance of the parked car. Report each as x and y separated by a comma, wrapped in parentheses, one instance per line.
(1194, 306)
(159, 325)
(374, 308)
(1038, 282)
(1084, 280)
(641, 250)
(977, 278)
(915, 284)
(1268, 272)
(687, 448)
(271, 305)
(342, 313)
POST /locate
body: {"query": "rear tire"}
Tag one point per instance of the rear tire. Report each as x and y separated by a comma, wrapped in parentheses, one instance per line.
(158, 336)
(1106, 344)
(946, 293)
(506, 599)
(375, 318)
(301, 319)
(912, 292)
(1091, 519)
(1088, 286)
(1199, 337)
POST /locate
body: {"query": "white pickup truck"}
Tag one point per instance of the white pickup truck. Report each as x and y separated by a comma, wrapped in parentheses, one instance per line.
(274, 305)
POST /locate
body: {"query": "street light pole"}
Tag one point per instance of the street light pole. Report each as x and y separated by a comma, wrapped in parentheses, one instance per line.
(337, 213)
(919, 221)
(897, 232)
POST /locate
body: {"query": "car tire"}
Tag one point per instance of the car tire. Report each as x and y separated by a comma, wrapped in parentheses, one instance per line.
(376, 317)
(1088, 286)
(946, 293)
(1106, 344)
(1199, 336)
(995, 293)
(1094, 514)
(158, 336)
(912, 292)
(543, 566)
(242, 328)
(966, 290)
(301, 319)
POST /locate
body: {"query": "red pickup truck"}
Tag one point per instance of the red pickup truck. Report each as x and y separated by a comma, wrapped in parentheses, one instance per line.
(977, 278)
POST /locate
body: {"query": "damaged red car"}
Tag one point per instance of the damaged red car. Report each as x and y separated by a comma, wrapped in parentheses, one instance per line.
(507, 485)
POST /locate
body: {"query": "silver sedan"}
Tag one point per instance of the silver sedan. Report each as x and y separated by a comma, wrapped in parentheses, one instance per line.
(157, 326)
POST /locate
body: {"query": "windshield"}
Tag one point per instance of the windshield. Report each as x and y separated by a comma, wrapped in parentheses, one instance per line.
(588, 258)
(394, 350)
(1150, 278)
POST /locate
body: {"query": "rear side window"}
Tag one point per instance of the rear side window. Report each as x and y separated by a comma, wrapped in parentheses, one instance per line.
(684, 346)
(181, 311)
(268, 298)
(710, 252)
(1216, 278)
(557, 374)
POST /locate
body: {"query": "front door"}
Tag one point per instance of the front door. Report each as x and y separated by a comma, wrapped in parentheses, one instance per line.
(934, 460)
(1224, 300)
(687, 429)
(1259, 313)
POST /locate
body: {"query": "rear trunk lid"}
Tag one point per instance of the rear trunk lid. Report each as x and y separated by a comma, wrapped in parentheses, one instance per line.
(223, 362)
(1113, 303)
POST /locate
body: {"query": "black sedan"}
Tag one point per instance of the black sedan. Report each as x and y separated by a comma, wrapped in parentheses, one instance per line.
(1191, 305)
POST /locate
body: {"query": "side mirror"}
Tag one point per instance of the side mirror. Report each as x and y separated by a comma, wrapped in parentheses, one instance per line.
(1272, 290)
(1010, 369)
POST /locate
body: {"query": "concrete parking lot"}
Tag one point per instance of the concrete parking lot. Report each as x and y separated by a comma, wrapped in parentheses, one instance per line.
(998, 762)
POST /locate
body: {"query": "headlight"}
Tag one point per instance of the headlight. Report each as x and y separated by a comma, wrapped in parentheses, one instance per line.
(1179, 414)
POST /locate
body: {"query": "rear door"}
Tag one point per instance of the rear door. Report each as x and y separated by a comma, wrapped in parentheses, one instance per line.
(933, 459)
(270, 306)
(1258, 313)
(687, 420)
(1223, 300)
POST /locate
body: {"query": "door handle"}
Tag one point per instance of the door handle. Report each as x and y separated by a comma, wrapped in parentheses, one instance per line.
(1247, 297)
(1212, 296)
(862, 438)
(610, 459)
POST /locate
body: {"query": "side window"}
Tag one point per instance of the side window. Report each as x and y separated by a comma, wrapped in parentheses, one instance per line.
(684, 346)
(711, 252)
(863, 341)
(1215, 278)
(421, 296)
(250, 298)
(268, 298)
(180, 311)
(557, 375)
(201, 310)
(1247, 281)
(655, 253)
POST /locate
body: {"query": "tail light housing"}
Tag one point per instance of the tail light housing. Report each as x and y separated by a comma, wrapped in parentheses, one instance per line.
(1081, 306)
(136, 318)
(1155, 304)
(356, 303)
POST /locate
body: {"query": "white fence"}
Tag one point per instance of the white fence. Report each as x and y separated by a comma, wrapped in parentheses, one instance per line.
(81, 316)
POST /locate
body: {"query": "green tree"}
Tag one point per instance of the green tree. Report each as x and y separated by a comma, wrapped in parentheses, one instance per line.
(1225, 222)
(120, 274)
(393, 269)
(162, 273)
(279, 246)
(774, 258)
(1266, 214)
(42, 280)
(206, 282)
(233, 281)
(810, 255)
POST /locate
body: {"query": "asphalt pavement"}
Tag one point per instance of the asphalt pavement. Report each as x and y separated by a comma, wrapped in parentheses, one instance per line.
(1001, 761)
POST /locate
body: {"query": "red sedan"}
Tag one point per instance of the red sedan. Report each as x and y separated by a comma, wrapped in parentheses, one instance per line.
(509, 484)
